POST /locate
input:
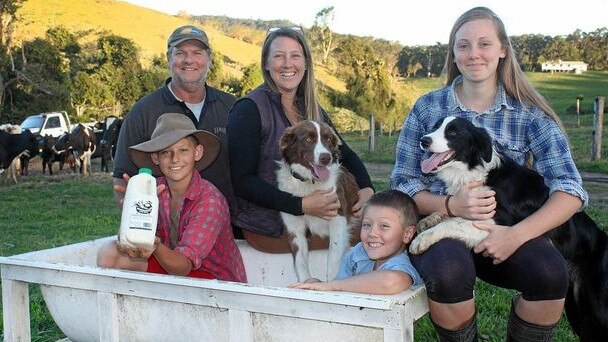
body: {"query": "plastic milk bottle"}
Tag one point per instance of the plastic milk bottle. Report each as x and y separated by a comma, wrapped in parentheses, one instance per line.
(139, 211)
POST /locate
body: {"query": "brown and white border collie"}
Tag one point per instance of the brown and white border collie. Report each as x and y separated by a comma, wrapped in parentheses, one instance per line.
(310, 153)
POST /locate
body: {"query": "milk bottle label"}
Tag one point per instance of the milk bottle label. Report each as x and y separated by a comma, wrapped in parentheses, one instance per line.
(140, 215)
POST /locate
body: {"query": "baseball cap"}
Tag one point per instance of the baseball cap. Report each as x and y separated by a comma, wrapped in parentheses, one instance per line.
(183, 33)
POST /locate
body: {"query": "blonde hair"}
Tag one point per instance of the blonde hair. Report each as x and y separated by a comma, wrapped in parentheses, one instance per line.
(307, 87)
(509, 73)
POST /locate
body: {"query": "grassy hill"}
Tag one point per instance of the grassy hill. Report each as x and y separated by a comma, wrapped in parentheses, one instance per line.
(149, 29)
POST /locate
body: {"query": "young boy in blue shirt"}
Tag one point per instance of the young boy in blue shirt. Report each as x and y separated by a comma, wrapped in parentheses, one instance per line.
(379, 263)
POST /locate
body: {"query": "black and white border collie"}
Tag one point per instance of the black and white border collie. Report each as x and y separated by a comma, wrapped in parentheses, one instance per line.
(462, 153)
(309, 163)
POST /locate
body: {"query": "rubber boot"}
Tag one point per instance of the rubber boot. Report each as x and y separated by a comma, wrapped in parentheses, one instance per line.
(519, 330)
(468, 333)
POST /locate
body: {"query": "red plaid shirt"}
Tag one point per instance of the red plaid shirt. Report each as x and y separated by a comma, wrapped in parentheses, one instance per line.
(205, 233)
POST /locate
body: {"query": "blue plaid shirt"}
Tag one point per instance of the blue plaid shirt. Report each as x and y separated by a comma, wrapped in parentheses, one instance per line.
(516, 130)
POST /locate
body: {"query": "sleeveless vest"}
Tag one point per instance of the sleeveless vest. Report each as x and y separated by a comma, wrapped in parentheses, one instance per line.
(250, 216)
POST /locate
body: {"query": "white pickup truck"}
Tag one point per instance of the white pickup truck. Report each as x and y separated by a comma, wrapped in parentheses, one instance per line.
(52, 123)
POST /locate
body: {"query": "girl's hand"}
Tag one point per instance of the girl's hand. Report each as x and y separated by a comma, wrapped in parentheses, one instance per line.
(472, 203)
(500, 244)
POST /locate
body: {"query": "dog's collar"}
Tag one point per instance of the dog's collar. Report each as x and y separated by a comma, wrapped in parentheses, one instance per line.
(299, 177)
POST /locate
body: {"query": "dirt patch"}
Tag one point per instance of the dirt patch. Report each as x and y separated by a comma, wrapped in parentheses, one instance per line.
(35, 172)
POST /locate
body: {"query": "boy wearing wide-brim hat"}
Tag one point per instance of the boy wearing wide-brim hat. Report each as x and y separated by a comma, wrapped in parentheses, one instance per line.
(194, 235)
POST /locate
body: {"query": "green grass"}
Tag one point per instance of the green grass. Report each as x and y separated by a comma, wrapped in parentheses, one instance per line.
(40, 213)
(561, 91)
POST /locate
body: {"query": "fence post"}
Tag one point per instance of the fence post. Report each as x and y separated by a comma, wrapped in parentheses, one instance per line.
(371, 147)
(578, 110)
(598, 123)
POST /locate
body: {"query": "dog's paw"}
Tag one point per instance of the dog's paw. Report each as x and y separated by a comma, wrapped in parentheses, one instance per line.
(430, 221)
(421, 243)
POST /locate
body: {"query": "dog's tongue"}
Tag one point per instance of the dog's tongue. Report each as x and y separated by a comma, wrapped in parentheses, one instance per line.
(432, 162)
(322, 172)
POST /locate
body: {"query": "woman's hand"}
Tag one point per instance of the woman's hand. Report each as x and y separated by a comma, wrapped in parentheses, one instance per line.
(472, 203)
(321, 203)
(364, 195)
(500, 244)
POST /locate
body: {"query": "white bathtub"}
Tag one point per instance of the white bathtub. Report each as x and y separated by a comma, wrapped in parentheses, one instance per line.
(94, 304)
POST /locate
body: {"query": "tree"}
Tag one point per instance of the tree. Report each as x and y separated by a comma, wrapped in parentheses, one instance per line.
(429, 58)
(119, 51)
(8, 73)
(89, 91)
(321, 36)
(64, 40)
(367, 81)
(252, 77)
(216, 73)
(120, 68)
(412, 69)
(595, 48)
(45, 74)
(8, 18)
(528, 50)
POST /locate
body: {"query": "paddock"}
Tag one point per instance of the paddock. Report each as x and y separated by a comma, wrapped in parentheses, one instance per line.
(89, 303)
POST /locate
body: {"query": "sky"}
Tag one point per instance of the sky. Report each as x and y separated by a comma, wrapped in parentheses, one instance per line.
(409, 22)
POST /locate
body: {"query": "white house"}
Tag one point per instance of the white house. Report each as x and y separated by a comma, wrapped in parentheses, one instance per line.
(576, 67)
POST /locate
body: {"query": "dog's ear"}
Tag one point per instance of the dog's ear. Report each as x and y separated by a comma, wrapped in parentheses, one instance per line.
(287, 140)
(484, 144)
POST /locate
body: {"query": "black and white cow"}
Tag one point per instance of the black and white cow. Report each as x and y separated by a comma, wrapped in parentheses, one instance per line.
(13, 145)
(82, 141)
(107, 134)
(50, 155)
(110, 134)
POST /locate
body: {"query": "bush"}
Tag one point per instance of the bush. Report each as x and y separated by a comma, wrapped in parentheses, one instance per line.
(348, 121)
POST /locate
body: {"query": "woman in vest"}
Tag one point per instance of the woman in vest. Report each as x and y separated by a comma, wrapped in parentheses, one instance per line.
(255, 125)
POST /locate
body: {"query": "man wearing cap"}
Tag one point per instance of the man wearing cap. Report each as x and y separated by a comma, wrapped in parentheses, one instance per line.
(186, 93)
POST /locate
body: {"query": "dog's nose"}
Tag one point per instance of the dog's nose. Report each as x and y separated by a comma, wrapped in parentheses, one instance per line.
(425, 142)
(324, 158)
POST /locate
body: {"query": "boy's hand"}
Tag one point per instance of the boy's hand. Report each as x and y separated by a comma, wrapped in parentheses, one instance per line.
(120, 188)
(137, 252)
(312, 284)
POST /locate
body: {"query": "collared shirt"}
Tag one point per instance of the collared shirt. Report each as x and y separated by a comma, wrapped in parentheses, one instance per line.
(517, 130)
(356, 262)
(204, 233)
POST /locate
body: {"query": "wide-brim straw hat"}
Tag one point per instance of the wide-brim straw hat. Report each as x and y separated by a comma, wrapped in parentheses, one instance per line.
(170, 128)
